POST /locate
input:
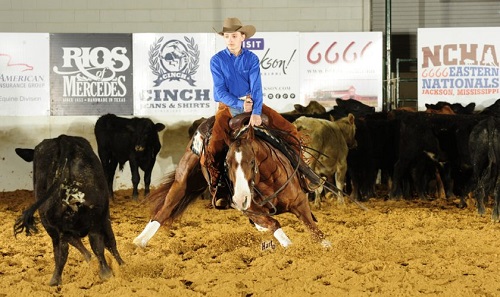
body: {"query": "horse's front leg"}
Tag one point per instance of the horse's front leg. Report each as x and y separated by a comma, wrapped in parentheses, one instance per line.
(267, 223)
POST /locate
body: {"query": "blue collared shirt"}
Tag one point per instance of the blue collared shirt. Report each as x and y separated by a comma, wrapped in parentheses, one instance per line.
(235, 77)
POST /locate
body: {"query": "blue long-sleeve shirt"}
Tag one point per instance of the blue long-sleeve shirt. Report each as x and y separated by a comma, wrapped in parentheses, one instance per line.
(235, 77)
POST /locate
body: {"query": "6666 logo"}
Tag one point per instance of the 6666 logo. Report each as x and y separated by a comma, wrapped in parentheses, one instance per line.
(174, 60)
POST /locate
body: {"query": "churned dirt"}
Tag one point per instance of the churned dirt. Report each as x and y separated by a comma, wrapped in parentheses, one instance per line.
(396, 248)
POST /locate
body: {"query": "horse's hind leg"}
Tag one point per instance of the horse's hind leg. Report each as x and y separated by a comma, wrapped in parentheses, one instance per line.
(272, 225)
(173, 202)
(303, 212)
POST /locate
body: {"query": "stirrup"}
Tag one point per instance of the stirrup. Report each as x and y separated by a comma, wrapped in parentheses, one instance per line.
(217, 202)
(313, 186)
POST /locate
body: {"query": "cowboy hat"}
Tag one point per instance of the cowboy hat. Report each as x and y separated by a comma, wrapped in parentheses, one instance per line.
(234, 25)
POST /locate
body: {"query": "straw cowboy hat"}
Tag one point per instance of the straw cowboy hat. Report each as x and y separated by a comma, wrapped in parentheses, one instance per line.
(234, 25)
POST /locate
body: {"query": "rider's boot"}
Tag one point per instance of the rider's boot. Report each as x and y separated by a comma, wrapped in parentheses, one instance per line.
(218, 188)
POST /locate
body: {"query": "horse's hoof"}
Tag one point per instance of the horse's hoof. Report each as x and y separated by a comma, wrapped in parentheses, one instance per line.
(221, 204)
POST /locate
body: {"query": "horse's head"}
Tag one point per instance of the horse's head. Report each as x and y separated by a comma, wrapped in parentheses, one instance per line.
(242, 168)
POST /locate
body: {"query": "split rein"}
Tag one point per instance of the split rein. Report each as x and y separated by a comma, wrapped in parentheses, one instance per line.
(267, 200)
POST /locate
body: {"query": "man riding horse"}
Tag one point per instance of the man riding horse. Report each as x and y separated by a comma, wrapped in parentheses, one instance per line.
(238, 89)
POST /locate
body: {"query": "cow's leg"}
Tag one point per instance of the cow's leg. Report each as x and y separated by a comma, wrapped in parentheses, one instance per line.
(97, 243)
(77, 243)
(61, 248)
(109, 165)
(340, 180)
(495, 215)
(480, 193)
(134, 169)
(110, 241)
(147, 180)
(447, 179)
(317, 197)
(110, 170)
(494, 211)
(400, 168)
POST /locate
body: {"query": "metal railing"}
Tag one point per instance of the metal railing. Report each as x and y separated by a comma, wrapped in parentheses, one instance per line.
(401, 101)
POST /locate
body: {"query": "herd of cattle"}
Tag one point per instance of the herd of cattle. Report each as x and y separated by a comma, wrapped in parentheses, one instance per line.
(449, 148)
(351, 145)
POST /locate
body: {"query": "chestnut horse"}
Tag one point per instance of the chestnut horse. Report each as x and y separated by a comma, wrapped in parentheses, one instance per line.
(264, 183)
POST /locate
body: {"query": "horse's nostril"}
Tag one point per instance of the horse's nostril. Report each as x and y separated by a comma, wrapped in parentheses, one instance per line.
(245, 202)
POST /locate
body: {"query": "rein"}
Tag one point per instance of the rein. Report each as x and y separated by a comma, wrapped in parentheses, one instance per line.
(275, 194)
(267, 200)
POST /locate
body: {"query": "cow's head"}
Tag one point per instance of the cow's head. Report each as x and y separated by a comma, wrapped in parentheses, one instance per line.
(146, 134)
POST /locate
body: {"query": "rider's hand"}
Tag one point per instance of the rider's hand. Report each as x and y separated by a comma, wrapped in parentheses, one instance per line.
(255, 120)
(248, 105)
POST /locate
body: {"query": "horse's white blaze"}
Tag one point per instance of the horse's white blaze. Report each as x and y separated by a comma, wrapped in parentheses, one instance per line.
(282, 238)
(148, 232)
(242, 193)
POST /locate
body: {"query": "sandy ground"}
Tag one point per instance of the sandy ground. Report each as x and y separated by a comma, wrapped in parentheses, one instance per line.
(397, 248)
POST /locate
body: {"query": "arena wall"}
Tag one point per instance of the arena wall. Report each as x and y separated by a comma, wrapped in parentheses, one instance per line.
(153, 16)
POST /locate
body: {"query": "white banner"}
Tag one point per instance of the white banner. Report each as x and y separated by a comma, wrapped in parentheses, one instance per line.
(458, 65)
(24, 74)
(278, 53)
(172, 74)
(346, 65)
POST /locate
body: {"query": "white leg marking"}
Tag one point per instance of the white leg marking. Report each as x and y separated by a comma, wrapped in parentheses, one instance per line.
(326, 243)
(147, 234)
(242, 194)
(282, 238)
(260, 228)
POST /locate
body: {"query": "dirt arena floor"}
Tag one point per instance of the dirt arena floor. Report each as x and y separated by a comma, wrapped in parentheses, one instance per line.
(396, 248)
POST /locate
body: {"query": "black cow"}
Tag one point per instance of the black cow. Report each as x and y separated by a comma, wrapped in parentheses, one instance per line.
(134, 140)
(341, 110)
(456, 107)
(347, 106)
(493, 109)
(484, 145)
(442, 139)
(72, 201)
(376, 136)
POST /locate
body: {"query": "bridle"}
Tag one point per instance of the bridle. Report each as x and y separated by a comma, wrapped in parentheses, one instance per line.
(255, 170)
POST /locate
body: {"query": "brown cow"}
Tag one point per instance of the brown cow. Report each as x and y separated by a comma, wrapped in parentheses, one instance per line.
(329, 143)
(314, 107)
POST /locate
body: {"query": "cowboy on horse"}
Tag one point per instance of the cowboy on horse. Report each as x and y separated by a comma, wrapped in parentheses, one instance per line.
(238, 89)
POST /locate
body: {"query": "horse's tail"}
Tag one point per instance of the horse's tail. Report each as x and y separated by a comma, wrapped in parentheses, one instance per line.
(156, 197)
(195, 186)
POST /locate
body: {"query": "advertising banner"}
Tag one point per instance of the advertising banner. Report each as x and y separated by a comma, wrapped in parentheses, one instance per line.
(24, 74)
(91, 74)
(278, 53)
(346, 65)
(458, 65)
(172, 74)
